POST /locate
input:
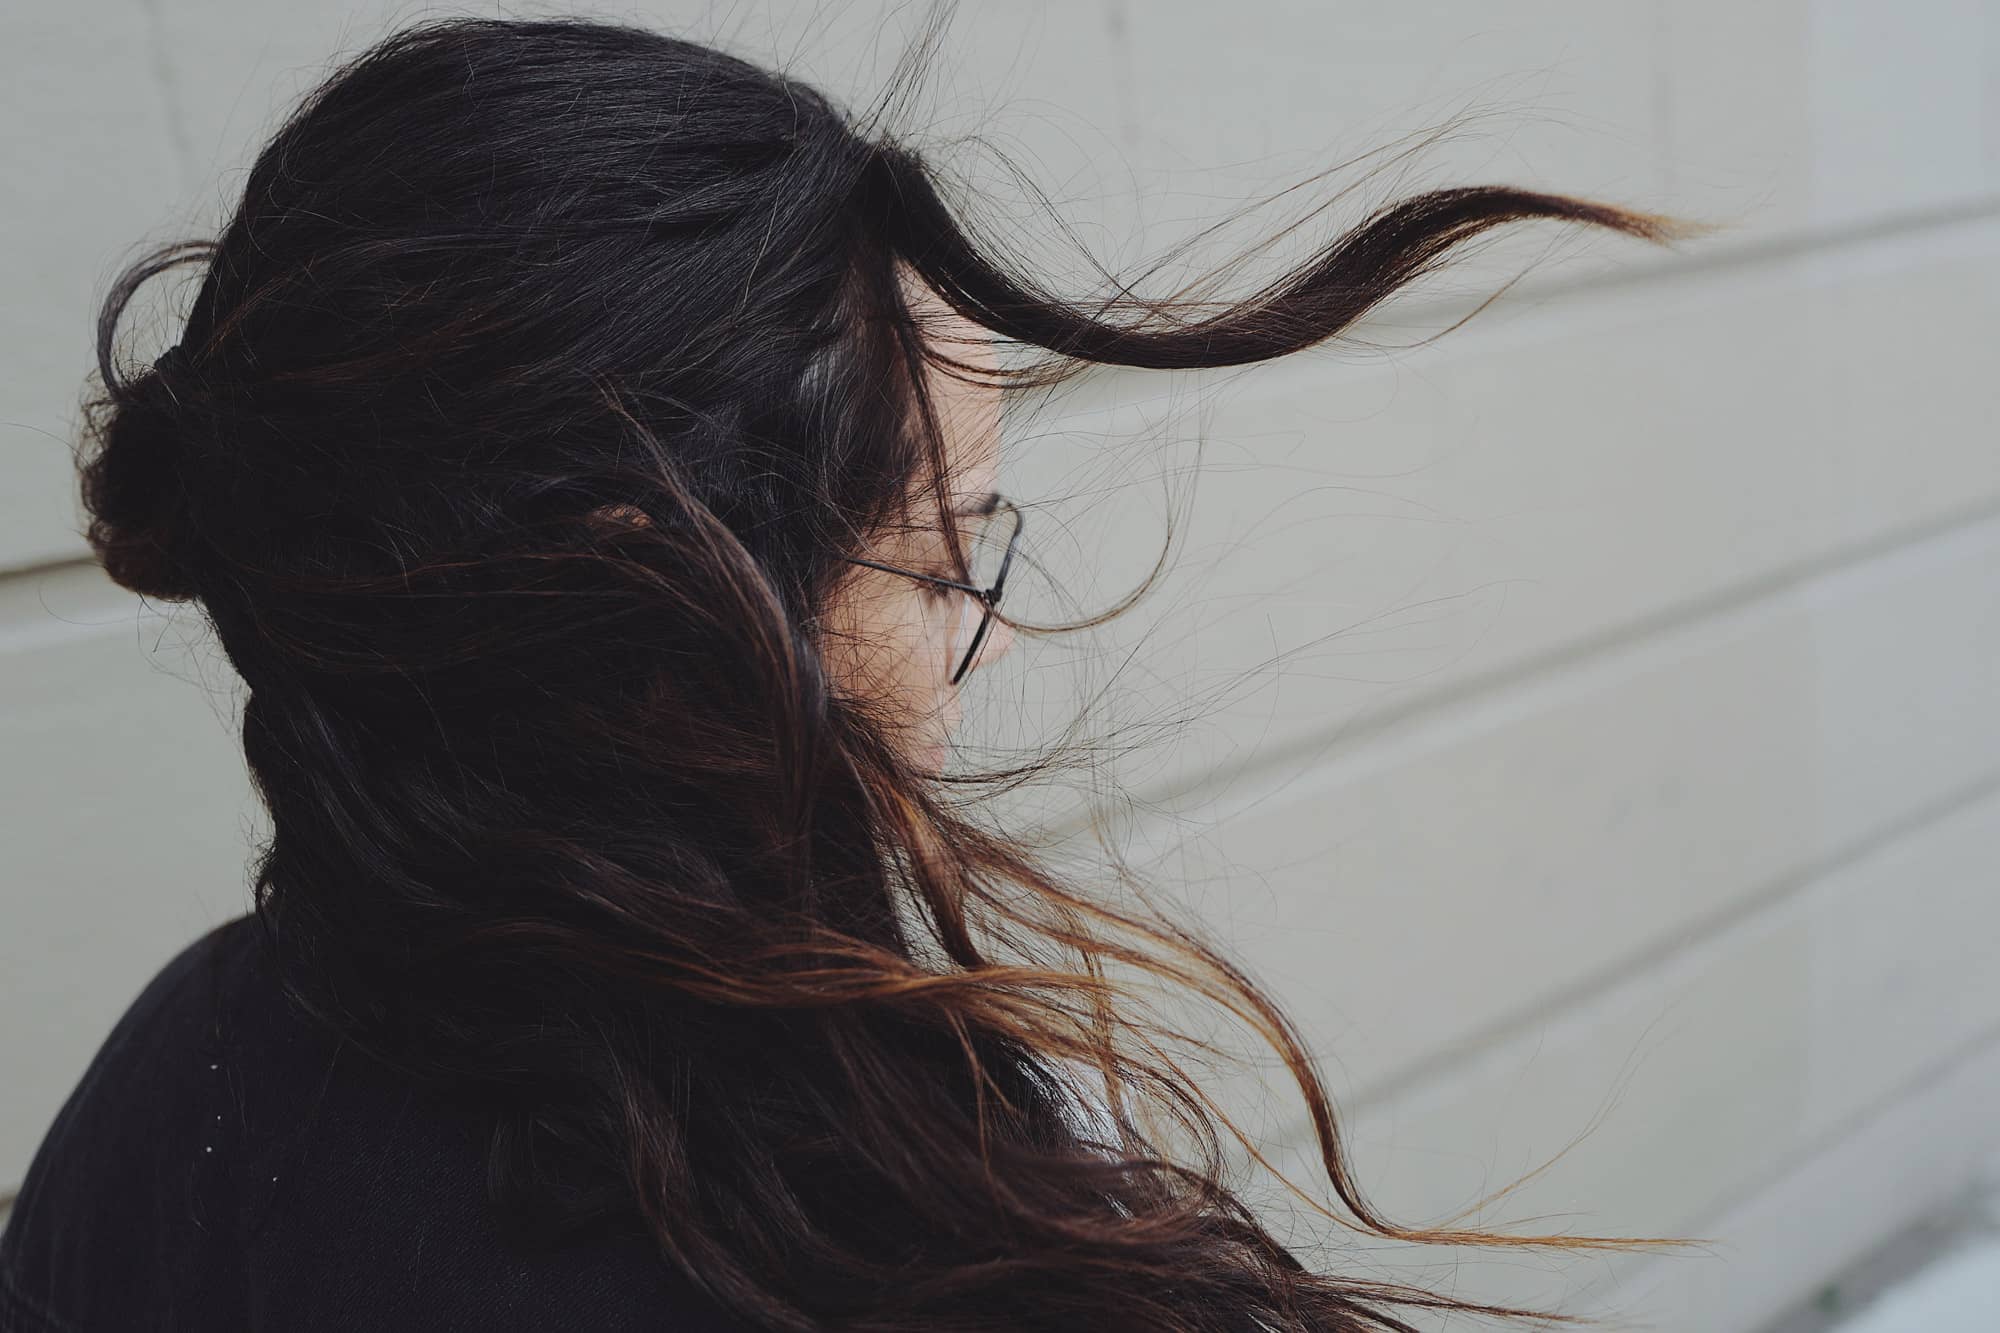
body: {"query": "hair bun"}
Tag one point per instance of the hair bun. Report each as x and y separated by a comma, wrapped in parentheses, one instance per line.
(134, 487)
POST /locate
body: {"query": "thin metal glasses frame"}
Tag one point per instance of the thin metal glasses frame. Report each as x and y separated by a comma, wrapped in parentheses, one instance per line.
(988, 597)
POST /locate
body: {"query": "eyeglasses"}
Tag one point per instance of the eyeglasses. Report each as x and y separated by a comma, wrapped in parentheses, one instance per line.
(987, 563)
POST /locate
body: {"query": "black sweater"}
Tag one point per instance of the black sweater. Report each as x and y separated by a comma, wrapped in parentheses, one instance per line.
(227, 1163)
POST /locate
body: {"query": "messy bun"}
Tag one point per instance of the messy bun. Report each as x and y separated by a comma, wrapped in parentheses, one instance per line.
(133, 458)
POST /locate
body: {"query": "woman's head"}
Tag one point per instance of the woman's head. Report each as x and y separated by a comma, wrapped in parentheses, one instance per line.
(455, 343)
(543, 419)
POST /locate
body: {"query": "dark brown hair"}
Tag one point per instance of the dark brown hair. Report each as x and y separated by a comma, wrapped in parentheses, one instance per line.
(568, 817)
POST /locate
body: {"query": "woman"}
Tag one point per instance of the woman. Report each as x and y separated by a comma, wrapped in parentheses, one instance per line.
(583, 444)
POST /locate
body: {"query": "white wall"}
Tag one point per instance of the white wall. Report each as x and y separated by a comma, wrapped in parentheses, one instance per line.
(1634, 764)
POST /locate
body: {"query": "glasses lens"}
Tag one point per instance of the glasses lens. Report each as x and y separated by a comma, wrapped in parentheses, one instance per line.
(986, 537)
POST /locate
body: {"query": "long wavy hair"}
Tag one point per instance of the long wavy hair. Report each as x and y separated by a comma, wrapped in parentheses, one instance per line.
(526, 408)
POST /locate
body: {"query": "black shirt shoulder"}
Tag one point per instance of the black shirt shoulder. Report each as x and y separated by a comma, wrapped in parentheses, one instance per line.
(226, 1162)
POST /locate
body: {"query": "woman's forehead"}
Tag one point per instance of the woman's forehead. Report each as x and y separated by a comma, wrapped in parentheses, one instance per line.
(968, 406)
(948, 331)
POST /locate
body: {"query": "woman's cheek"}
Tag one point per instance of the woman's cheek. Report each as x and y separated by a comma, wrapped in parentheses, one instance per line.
(920, 661)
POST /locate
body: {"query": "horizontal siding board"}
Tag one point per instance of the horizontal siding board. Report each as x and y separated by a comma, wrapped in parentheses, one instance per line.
(1364, 541)
(1698, 1088)
(1440, 880)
